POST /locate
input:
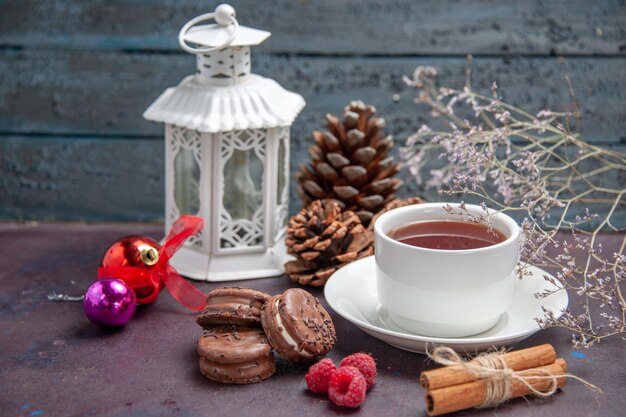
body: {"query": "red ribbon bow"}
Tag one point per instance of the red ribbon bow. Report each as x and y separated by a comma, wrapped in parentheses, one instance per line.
(162, 272)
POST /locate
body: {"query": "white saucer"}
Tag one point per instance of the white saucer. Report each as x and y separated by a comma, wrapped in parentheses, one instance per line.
(352, 293)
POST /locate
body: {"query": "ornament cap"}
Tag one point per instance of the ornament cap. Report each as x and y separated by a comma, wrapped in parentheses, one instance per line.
(149, 255)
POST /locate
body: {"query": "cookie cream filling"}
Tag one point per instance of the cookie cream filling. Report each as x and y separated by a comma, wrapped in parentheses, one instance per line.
(285, 334)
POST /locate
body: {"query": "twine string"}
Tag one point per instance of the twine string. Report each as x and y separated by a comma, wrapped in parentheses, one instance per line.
(493, 369)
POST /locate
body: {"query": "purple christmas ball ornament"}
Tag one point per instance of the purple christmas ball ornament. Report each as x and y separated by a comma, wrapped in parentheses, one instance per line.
(109, 302)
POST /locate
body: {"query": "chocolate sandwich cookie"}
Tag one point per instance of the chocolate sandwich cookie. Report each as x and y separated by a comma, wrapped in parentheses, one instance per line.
(298, 326)
(239, 306)
(235, 355)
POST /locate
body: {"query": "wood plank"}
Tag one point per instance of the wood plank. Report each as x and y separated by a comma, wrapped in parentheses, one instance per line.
(105, 93)
(81, 179)
(432, 27)
(90, 179)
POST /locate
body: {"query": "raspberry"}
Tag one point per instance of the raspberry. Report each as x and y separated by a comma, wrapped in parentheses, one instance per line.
(318, 377)
(347, 387)
(364, 363)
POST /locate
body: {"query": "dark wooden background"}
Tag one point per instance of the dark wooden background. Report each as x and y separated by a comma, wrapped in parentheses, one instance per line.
(76, 75)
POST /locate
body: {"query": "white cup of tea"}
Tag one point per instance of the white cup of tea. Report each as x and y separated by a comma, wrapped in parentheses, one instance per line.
(451, 292)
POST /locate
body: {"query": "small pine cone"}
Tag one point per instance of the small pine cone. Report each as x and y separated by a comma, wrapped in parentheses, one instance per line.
(323, 237)
(392, 205)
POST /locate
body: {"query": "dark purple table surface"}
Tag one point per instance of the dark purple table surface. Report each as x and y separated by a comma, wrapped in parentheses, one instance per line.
(54, 362)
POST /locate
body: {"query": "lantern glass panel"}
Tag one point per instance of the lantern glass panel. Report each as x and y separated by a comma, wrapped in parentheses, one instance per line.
(242, 215)
(282, 189)
(242, 181)
(186, 182)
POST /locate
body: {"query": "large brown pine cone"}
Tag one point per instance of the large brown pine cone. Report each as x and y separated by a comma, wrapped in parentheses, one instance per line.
(351, 163)
(323, 238)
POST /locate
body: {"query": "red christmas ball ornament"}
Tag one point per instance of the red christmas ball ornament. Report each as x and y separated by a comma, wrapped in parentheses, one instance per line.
(136, 251)
(144, 266)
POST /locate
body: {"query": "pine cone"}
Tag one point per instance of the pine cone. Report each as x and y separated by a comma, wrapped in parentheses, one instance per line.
(323, 237)
(392, 205)
(351, 163)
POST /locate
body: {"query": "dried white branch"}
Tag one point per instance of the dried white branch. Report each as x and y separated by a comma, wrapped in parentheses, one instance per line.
(514, 161)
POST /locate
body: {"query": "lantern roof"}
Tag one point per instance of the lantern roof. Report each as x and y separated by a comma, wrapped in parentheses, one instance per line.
(216, 35)
(223, 96)
(226, 32)
(257, 103)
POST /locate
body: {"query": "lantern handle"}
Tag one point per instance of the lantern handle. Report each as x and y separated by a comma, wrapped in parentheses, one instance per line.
(224, 15)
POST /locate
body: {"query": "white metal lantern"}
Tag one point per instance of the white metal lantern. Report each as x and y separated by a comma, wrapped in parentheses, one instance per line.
(227, 154)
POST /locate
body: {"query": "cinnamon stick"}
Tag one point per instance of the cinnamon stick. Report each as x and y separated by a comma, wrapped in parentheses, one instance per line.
(517, 360)
(473, 394)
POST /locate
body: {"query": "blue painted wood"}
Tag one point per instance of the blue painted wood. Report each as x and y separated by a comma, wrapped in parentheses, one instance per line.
(105, 93)
(78, 178)
(352, 27)
(75, 77)
(82, 178)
